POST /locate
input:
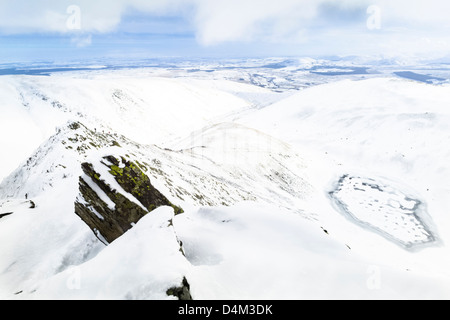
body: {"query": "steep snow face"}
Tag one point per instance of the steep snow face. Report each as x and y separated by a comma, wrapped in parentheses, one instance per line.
(379, 129)
(268, 172)
(37, 243)
(261, 167)
(19, 134)
(42, 241)
(47, 240)
(145, 109)
(143, 264)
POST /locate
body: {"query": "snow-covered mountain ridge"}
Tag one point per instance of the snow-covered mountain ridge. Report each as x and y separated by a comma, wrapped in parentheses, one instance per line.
(218, 189)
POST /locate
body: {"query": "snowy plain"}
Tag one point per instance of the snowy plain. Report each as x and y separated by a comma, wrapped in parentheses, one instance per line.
(259, 160)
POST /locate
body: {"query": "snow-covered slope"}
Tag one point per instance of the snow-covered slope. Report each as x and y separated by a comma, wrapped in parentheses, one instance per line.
(51, 179)
(380, 129)
(338, 191)
(145, 109)
(142, 264)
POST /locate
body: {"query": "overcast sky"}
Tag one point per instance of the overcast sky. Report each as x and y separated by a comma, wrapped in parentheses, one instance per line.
(83, 29)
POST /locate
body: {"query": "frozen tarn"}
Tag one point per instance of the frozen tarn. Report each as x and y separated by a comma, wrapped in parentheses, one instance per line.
(384, 209)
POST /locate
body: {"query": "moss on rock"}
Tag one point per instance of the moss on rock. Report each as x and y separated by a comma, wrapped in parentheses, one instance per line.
(111, 223)
(132, 179)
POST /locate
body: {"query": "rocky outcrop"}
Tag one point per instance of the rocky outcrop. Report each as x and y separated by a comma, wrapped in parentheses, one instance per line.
(5, 214)
(134, 181)
(182, 293)
(110, 222)
(109, 218)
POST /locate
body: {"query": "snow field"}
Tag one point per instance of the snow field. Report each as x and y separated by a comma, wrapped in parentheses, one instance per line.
(279, 237)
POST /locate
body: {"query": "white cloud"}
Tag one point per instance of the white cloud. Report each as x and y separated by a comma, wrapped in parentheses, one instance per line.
(419, 13)
(220, 21)
(216, 21)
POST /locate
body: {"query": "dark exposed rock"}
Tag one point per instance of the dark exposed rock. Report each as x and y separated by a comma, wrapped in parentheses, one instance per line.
(5, 214)
(111, 223)
(183, 292)
(131, 178)
(74, 125)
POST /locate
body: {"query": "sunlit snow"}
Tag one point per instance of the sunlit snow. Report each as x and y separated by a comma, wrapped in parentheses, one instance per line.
(299, 179)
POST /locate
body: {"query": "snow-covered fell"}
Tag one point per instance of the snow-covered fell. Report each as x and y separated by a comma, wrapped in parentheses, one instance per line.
(335, 191)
